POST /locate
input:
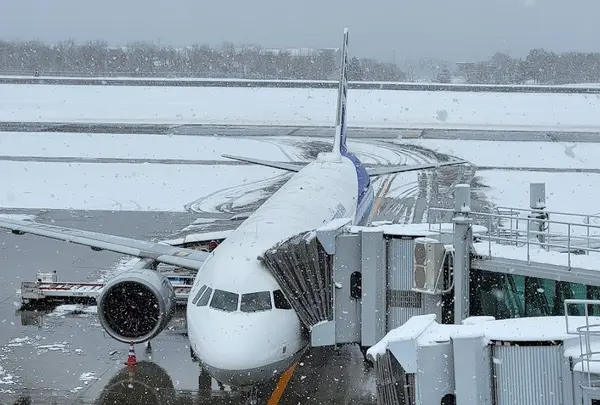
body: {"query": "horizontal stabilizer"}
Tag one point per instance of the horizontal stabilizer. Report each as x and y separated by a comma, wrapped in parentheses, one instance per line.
(290, 167)
(382, 170)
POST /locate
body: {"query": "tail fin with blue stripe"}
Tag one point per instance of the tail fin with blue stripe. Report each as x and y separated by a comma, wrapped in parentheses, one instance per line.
(339, 142)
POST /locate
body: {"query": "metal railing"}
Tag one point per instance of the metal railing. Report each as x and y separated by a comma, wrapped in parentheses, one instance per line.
(588, 333)
(568, 217)
(530, 229)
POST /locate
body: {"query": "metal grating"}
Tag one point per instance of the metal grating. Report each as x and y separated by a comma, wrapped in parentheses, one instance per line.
(528, 375)
(400, 263)
(303, 270)
(394, 386)
(403, 299)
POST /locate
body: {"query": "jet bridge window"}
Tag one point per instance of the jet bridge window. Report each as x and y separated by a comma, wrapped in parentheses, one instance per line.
(205, 297)
(225, 301)
(197, 297)
(253, 302)
(280, 301)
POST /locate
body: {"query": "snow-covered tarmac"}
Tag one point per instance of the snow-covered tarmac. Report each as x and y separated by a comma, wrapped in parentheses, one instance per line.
(299, 107)
(169, 187)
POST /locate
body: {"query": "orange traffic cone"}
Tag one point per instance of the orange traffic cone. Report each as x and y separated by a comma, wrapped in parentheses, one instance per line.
(131, 359)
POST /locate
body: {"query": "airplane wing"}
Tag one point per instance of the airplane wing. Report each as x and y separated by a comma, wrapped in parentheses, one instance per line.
(378, 171)
(290, 167)
(160, 252)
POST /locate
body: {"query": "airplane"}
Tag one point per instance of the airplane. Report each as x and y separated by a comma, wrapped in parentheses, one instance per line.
(241, 326)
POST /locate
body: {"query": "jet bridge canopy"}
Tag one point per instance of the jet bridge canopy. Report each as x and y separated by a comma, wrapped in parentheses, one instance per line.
(302, 268)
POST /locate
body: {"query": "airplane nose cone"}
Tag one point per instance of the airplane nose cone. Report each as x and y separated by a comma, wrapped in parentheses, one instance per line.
(241, 346)
(242, 350)
(243, 361)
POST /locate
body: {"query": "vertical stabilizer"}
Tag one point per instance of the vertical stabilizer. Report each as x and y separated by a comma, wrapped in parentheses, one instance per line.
(339, 142)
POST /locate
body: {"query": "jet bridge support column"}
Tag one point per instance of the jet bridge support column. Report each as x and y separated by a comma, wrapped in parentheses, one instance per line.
(360, 291)
(374, 280)
(463, 235)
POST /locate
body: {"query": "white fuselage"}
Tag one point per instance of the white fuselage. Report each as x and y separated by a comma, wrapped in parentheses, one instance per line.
(246, 341)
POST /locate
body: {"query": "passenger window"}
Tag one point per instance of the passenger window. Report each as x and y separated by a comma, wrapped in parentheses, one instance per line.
(280, 301)
(205, 297)
(253, 302)
(224, 300)
(197, 297)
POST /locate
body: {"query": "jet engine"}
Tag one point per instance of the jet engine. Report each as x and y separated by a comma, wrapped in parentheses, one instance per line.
(136, 305)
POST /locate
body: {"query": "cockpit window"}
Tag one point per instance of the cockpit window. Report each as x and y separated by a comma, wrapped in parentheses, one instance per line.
(258, 301)
(199, 294)
(280, 301)
(225, 301)
(205, 297)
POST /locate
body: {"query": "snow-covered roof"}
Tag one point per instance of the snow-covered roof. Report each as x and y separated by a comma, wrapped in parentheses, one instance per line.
(425, 331)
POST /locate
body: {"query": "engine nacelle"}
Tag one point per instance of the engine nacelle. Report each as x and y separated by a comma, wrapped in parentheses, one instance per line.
(136, 305)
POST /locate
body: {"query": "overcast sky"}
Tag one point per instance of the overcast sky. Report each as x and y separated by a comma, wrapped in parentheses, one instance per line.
(450, 29)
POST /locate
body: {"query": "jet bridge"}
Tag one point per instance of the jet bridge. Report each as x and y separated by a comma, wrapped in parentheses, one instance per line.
(352, 284)
(386, 286)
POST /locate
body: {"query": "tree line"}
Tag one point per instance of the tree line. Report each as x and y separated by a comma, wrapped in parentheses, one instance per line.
(140, 59)
(538, 67)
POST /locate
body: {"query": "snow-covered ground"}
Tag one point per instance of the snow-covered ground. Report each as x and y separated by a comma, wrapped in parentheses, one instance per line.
(565, 192)
(5, 378)
(18, 217)
(182, 147)
(145, 187)
(402, 185)
(304, 107)
(156, 187)
(557, 155)
(139, 146)
(171, 187)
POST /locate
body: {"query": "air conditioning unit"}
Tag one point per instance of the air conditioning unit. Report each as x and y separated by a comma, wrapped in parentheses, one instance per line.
(429, 256)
